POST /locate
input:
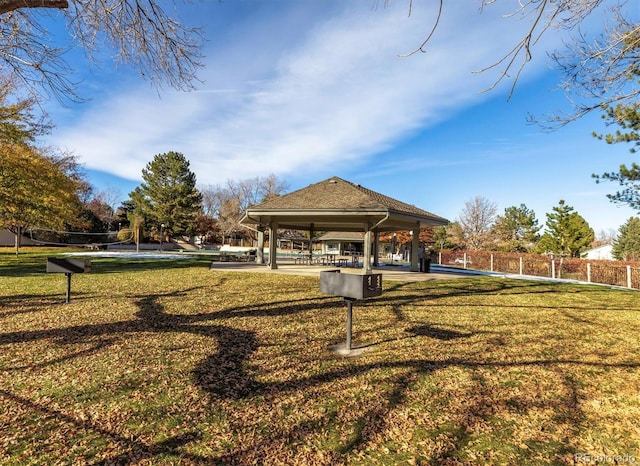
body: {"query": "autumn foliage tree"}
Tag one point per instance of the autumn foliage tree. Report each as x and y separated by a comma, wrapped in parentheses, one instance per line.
(37, 188)
(20, 119)
(35, 191)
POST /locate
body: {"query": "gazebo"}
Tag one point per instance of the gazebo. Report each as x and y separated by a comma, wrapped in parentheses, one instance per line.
(338, 205)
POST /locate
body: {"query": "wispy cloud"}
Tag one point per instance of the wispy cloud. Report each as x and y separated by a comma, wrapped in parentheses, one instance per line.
(336, 93)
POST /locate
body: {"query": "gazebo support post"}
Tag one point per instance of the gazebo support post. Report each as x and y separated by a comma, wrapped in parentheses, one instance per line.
(311, 244)
(376, 249)
(415, 245)
(260, 251)
(273, 245)
(367, 251)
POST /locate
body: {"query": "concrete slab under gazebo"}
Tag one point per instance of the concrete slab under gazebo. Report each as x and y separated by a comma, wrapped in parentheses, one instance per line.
(338, 205)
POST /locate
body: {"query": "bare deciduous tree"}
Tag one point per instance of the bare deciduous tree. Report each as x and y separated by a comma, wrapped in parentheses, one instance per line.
(476, 221)
(143, 33)
(600, 73)
(597, 71)
(227, 203)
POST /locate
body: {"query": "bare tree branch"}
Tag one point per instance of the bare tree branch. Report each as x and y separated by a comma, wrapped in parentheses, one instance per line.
(597, 73)
(10, 5)
(433, 30)
(143, 35)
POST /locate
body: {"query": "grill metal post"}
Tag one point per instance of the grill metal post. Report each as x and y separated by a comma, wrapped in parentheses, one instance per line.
(351, 287)
(349, 302)
(68, 287)
(68, 267)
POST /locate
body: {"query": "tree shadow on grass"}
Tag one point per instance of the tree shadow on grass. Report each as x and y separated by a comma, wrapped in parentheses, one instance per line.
(26, 266)
(222, 374)
(22, 269)
(27, 303)
(226, 374)
(480, 411)
(436, 332)
(133, 449)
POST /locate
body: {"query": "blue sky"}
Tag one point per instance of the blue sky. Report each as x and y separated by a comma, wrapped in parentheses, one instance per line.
(309, 90)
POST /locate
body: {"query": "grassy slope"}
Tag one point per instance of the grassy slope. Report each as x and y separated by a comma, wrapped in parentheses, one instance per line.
(163, 363)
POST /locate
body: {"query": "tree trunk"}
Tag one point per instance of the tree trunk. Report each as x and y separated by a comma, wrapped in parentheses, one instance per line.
(18, 235)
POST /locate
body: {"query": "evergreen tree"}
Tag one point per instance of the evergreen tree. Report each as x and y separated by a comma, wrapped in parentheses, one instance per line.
(171, 195)
(568, 233)
(627, 177)
(517, 230)
(450, 236)
(627, 246)
(440, 238)
(626, 116)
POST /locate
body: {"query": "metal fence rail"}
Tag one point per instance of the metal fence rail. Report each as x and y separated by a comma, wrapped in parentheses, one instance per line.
(617, 273)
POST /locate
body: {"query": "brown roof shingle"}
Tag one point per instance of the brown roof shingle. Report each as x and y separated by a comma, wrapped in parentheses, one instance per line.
(336, 194)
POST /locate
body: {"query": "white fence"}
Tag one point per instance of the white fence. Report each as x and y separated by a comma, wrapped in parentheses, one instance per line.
(617, 273)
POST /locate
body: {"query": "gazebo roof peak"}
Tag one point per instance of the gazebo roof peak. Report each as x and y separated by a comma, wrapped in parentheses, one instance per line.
(338, 194)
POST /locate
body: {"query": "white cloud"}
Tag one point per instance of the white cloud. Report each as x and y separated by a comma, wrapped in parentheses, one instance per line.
(328, 94)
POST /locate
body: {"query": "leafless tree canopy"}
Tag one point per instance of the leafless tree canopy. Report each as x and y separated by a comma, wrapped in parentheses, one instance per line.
(598, 71)
(601, 72)
(143, 33)
(475, 220)
(148, 35)
(227, 203)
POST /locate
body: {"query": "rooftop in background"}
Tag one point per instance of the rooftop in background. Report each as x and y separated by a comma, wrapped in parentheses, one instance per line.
(354, 236)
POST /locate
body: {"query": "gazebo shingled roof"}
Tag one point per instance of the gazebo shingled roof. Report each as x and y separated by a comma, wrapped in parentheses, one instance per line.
(339, 205)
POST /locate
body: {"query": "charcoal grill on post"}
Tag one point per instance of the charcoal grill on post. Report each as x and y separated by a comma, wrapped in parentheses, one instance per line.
(351, 287)
(68, 267)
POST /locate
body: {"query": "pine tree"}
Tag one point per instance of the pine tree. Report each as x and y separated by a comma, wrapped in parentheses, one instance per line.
(568, 233)
(517, 230)
(628, 177)
(626, 116)
(171, 194)
(627, 246)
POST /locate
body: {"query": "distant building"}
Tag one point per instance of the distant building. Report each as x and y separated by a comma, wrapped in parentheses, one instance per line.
(600, 253)
(9, 239)
(342, 243)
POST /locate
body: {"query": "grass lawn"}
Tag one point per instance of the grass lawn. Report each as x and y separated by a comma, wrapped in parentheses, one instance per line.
(167, 362)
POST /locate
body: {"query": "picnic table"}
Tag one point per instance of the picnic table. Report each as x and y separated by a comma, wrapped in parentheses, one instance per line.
(339, 261)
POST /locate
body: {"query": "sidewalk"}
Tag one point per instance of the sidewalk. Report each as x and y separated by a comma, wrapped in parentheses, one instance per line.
(394, 273)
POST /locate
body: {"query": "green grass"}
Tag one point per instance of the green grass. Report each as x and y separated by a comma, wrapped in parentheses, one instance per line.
(167, 362)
